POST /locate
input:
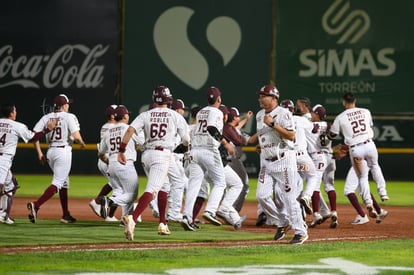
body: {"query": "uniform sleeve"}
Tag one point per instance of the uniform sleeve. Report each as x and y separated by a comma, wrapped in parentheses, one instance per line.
(231, 134)
(40, 125)
(24, 133)
(103, 147)
(183, 130)
(335, 126)
(137, 123)
(73, 124)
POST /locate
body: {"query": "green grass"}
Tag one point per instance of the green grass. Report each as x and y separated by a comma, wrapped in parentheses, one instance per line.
(382, 254)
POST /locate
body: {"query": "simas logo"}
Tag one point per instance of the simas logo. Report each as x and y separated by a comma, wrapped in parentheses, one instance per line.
(57, 69)
(180, 56)
(349, 26)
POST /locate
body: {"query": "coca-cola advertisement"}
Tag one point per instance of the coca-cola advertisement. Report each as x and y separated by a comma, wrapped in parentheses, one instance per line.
(63, 46)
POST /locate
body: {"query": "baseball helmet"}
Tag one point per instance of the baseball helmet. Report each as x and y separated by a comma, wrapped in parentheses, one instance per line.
(162, 95)
(320, 111)
(288, 104)
(269, 90)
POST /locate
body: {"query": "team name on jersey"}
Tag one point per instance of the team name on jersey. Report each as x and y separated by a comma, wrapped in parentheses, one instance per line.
(5, 125)
(355, 115)
(115, 132)
(160, 117)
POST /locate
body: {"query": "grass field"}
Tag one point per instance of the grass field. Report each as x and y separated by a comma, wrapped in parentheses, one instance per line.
(367, 257)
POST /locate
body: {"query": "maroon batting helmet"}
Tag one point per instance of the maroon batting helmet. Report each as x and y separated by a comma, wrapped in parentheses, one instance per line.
(161, 95)
(288, 104)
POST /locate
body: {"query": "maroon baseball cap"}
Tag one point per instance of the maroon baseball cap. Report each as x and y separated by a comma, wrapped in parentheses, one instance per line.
(224, 109)
(110, 110)
(212, 94)
(233, 112)
(62, 99)
(178, 104)
(120, 111)
(320, 111)
(269, 90)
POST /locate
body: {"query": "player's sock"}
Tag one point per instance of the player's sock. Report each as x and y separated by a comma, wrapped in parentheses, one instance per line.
(315, 201)
(162, 205)
(63, 195)
(332, 199)
(143, 203)
(49, 192)
(106, 189)
(354, 201)
(375, 203)
(197, 207)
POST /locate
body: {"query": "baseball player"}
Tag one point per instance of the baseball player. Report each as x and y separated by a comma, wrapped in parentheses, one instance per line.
(124, 178)
(10, 133)
(319, 148)
(160, 125)
(205, 159)
(176, 173)
(355, 124)
(59, 155)
(233, 133)
(276, 130)
(95, 204)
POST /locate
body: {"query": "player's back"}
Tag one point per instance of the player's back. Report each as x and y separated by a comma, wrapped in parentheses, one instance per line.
(208, 116)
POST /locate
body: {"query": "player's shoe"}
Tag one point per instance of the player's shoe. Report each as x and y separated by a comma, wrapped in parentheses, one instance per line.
(299, 239)
(171, 218)
(281, 232)
(334, 219)
(111, 219)
(67, 219)
(381, 215)
(96, 208)
(187, 225)
(163, 229)
(317, 219)
(129, 227)
(306, 203)
(384, 197)
(261, 219)
(6, 220)
(360, 220)
(211, 218)
(371, 211)
(32, 212)
(104, 206)
(240, 222)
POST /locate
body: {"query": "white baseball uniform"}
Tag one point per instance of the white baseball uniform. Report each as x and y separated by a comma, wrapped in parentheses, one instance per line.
(124, 178)
(205, 158)
(59, 154)
(279, 162)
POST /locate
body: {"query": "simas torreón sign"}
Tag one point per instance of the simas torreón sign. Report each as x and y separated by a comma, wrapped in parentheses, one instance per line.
(63, 46)
(347, 45)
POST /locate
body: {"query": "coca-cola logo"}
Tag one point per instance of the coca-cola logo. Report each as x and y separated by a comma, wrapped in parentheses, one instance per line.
(69, 66)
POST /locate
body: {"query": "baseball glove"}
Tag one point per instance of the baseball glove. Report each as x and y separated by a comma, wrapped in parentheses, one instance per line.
(181, 149)
(224, 155)
(340, 151)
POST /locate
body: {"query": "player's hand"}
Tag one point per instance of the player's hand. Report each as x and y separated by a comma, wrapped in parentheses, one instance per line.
(249, 114)
(268, 119)
(42, 159)
(315, 128)
(51, 124)
(258, 149)
(121, 158)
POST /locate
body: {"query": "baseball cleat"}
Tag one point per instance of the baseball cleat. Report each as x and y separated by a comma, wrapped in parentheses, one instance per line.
(371, 211)
(360, 220)
(381, 215)
(163, 229)
(334, 220)
(317, 219)
(129, 227)
(96, 208)
(299, 239)
(384, 197)
(67, 219)
(240, 222)
(261, 219)
(281, 232)
(185, 223)
(6, 220)
(104, 206)
(111, 219)
(306, 203)
(211, 218)
(32, 212)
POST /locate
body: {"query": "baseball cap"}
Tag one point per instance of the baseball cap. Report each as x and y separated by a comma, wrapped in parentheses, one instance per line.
(120, 111)
(224, 109)
(178, 104)
(110, 110)
(62, 99)
(212, 94)
(233, 112)
(320, 111)
(269, 90)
